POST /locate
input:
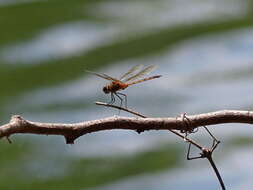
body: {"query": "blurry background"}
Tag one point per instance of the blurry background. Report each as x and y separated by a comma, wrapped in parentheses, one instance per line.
(203, 49)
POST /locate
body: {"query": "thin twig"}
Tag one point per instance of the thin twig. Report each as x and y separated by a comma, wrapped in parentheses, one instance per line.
(8, 139)
(120, 108)
(216, 171)
(141, 115)
(206, 152)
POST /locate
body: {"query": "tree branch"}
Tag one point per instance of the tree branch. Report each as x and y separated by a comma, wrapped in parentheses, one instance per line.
(72, 131)
(205, 152)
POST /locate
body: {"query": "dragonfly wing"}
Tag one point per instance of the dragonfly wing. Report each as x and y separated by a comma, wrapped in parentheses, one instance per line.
(102, 75)
(143, 72)
(131, 71)
(111, 78)
(145, 79)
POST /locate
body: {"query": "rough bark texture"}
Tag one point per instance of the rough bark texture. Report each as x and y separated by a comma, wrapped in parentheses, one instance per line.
(72, 131)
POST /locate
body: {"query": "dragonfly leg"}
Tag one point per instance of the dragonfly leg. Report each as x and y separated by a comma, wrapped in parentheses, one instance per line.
(125, 97)
(112, 99)
(121, 100)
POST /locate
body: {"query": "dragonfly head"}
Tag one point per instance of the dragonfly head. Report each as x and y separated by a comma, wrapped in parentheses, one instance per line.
(106, 90)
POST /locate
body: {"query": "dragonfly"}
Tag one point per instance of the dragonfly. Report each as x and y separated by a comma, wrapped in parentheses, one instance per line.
(132, 76)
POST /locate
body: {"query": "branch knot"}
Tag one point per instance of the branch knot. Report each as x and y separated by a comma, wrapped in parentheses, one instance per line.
(17, 120)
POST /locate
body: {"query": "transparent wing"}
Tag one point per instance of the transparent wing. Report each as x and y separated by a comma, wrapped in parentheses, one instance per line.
(145, 79)
(102, 75)
(140, 74)
(131, 71)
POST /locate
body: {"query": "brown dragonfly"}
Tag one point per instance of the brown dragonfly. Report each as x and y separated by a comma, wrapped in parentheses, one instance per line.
(127, 79)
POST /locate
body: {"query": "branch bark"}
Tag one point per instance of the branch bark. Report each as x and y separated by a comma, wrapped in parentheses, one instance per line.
(71, 132)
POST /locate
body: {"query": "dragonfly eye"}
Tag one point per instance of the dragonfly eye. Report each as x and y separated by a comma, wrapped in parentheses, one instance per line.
(105, 89)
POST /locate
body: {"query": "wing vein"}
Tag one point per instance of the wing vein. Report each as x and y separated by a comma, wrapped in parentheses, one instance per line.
(140, 74)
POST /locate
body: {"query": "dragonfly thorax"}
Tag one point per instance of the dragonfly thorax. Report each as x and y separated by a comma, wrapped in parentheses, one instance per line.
(114, 86)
